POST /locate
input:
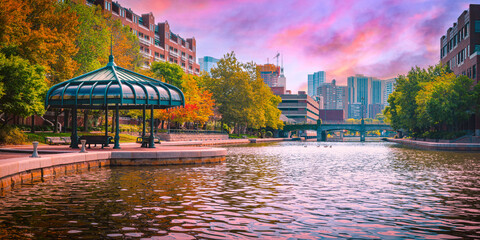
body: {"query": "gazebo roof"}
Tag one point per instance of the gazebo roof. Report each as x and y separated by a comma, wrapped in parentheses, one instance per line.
(113, 85)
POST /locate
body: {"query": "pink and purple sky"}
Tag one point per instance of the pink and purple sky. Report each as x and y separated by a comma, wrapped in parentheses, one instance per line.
(378, 38)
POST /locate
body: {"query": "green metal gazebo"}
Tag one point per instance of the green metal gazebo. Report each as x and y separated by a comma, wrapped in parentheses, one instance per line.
(113, 87)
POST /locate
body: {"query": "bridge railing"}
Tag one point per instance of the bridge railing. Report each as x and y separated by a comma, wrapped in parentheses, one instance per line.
(349, 122)
(339, 123)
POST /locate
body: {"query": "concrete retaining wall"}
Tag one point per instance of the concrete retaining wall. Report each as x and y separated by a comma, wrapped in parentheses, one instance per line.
(19, 171)
(191, 137)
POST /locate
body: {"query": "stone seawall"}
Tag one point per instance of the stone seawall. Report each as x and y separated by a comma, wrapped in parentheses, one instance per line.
(20, 171)
(469, 147)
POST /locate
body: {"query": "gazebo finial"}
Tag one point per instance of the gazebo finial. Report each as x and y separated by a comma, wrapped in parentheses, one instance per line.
(110, 58)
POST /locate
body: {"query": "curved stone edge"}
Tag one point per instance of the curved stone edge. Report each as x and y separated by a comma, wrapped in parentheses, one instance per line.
(466, 147)
(20, 171)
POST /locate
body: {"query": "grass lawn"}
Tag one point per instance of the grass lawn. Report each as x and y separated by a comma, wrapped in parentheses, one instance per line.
(40, 136)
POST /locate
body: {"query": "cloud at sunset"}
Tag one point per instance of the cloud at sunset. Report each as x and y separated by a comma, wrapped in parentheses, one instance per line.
(379, 38)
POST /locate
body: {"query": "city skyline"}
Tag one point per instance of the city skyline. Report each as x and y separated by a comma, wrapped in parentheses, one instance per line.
(376, 38)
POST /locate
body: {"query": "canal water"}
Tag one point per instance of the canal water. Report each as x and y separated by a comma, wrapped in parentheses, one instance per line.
(276, 191)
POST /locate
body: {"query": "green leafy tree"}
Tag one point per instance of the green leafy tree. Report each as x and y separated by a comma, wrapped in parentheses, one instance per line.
(447, 101)
(25, 84)
(403, 111)
(429, 101)
(241, 96)
(231, 90)
(168, 72)
(93, 38)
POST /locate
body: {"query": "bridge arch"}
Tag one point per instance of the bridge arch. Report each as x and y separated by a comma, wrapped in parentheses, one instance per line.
(322, 129)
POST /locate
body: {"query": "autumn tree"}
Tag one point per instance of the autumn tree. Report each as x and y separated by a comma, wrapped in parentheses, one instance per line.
(198, 104)
(41, 31)
(199, 97)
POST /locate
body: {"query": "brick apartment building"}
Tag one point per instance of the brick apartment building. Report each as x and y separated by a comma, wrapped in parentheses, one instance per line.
(460, 48)
(157, 41)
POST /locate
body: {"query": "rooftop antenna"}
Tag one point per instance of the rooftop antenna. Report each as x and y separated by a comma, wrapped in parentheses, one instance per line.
(282, 64)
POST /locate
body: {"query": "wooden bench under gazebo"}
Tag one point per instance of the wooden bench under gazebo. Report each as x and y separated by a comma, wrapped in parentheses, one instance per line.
(113, 87)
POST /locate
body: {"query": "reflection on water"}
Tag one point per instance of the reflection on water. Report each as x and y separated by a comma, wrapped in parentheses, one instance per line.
(276, 191)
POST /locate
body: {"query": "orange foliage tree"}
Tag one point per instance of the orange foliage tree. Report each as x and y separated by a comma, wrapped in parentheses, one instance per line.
(198, 104)
(126, 46)
(41, 31)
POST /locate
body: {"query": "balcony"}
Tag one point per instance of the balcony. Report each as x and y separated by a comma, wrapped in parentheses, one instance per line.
(142, 26)
(158, 59)
(183, 58)
(190, 61)
(174, 54)
(146, 55)
(144, 41)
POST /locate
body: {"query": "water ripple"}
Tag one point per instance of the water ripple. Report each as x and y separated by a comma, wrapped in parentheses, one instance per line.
(269, 191)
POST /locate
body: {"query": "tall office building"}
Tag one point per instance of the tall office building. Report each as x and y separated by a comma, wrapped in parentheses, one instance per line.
(388, 87)
(314, 81)
(376, 105)
(207, 63)
(333, 97)
(270, 74)
(359, 95)
(157, 41)
(460, 50)
(281, 84)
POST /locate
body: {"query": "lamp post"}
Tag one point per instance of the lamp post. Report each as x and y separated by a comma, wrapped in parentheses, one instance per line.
(362, 126)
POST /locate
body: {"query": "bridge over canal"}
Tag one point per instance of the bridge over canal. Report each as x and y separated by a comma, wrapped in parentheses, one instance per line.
(323, 128)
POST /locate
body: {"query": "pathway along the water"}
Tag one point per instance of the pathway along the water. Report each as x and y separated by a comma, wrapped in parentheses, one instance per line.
(276, 191)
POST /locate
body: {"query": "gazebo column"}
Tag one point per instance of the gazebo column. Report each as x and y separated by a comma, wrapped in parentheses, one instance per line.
(151, 140)
(144, 121)
(74, 137)
(117, 129)
(106, 125)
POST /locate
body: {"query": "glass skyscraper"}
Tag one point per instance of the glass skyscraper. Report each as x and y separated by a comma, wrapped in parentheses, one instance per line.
(314, 81)
(207, 63)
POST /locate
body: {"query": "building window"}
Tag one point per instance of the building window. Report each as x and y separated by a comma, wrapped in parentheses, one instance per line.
(108, 6)
(466, 29)
(477, 26)
(474, 71)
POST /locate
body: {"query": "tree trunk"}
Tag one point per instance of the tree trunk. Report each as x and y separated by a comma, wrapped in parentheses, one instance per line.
(33, 124)
(85, 120)
(113, 125)
(55, 122)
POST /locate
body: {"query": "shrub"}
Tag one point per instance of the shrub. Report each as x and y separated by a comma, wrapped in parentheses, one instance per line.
(12, 135)
(269, 134)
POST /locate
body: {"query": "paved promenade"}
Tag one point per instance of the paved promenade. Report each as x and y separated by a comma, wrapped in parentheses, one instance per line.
(18, 168)
(437, 146)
